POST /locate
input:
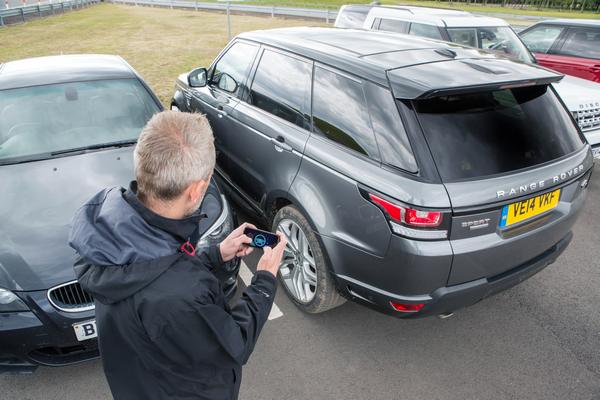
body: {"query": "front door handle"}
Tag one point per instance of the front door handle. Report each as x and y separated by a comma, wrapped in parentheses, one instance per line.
(280, 144)
(220, 112)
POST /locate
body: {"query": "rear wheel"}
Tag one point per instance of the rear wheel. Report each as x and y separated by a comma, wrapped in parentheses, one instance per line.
(304, 271)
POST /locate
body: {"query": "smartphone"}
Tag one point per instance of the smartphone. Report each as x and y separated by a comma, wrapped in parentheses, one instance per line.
(261, 238)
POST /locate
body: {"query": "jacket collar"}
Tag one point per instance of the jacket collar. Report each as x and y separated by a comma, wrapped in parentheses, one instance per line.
(182, 229)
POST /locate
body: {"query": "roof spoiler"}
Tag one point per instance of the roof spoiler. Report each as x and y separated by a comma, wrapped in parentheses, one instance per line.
(441, 78)
(489, 87)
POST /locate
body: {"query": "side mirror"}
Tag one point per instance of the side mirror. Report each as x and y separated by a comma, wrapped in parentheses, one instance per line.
(197, 77)
(227, 83)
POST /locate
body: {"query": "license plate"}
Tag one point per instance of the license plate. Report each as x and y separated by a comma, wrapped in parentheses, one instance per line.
(522, 210)
(596, 152)
(85, 330)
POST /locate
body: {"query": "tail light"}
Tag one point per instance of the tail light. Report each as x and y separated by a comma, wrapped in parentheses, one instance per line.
(411, 222)
(404, 307)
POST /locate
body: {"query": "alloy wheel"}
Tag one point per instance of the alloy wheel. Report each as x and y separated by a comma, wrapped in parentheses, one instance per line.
(298, 269)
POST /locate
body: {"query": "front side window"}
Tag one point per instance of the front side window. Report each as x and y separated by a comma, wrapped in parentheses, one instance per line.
(229, 73)
(340, 111)
(424, 30)
(281, 87)
(41, 121)
(493, 132)
(582, 42)
(464, 36)
(393, 25)
(504, 41)
(541, 38)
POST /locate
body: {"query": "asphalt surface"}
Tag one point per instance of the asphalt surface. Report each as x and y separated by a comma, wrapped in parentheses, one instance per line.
(539, 340)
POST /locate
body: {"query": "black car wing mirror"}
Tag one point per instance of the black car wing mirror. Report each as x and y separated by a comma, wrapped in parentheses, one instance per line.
(197, 77)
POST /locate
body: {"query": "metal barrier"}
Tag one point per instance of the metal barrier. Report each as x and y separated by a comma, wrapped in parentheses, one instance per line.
(301, 10)
(40, 9)
(328, 15)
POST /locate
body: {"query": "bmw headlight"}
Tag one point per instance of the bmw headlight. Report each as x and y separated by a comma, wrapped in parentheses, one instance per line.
(10, 302)
(220, 229)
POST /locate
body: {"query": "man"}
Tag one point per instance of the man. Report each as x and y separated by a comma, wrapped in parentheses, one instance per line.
(165, 330)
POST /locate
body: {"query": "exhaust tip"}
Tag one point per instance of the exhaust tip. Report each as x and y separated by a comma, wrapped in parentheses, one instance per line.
(445, 315)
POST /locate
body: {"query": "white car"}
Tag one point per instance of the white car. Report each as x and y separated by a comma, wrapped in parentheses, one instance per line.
(582, 97)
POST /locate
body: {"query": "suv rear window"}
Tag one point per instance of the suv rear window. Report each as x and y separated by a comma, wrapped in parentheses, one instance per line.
(493, 132)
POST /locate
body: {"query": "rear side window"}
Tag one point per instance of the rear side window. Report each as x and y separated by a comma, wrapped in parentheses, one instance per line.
(541, 38)
(340, 111)
(429, 31)
(229, 74)
(281, 87)
(393, 25)
(392, 138)
(582, 42)
(488, 133)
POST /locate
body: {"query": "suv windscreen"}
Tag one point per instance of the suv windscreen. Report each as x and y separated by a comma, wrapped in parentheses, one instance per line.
(501, 39)
(540, 39)
(352, 17)
(38, 121)
(493, 132)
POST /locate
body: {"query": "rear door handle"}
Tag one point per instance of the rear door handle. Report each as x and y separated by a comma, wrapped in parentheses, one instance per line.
(280, 144)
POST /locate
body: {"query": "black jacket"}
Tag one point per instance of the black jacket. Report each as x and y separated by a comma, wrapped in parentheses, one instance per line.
(164, 328)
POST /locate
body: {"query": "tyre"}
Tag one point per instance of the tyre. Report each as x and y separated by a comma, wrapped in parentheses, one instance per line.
(304, 271)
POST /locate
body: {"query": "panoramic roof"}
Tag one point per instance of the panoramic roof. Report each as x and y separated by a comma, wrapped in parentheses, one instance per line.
(414, 66)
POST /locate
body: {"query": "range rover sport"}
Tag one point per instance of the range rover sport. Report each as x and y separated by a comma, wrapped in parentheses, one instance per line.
(413, 176)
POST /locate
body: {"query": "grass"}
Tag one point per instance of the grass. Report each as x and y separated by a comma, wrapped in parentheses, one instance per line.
(159, 43)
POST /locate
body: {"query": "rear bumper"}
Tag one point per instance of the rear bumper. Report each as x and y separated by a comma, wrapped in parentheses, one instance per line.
(451, 298)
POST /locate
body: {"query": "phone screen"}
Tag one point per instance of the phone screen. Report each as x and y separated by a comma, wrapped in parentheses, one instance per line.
(260, 238)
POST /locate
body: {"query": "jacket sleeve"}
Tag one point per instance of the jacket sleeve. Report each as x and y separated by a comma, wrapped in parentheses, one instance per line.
(202, 330)
(212, 257)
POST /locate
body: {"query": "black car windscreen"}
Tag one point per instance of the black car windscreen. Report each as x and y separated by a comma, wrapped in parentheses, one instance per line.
(40, 120)
(493, 132)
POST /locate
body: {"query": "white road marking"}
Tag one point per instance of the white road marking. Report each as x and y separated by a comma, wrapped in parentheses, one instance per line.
(247, 276)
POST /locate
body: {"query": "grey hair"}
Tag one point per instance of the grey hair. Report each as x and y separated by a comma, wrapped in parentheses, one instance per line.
(174, 150)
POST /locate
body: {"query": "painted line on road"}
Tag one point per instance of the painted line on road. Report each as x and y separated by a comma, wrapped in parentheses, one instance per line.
(247, 275)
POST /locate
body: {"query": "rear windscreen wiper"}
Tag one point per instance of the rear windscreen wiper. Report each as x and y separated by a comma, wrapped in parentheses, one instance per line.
(95, 147)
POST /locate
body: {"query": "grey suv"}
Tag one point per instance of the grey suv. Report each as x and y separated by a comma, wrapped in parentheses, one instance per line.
(413, 176)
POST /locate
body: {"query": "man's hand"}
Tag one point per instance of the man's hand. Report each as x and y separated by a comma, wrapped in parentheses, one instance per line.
(236, 244)
(271, 258)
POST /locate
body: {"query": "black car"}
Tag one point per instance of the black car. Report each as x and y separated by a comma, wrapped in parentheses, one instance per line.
(68, 125)
(410, 175)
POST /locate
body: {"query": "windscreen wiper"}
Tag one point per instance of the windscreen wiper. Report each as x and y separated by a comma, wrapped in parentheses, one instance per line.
(121, 143)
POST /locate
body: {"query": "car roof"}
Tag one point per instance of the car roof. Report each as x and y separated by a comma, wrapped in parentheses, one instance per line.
(594, 23)
(436, 16)
(62, 69)
(374, 55)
